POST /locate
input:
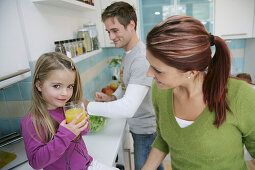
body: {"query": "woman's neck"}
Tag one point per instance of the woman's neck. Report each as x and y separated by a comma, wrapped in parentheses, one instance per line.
(193, 87)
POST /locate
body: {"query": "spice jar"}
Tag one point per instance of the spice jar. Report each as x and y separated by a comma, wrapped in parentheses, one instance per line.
(72, 48)
(57, 46)
(83, 46)
(83, 33)
(63, 47)
(68, 50)
(93, 35)
(79, 44)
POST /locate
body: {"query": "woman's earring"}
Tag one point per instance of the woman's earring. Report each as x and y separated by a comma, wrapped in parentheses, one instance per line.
(189, 77)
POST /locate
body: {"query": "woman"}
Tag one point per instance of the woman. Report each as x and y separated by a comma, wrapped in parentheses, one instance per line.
(203, 116)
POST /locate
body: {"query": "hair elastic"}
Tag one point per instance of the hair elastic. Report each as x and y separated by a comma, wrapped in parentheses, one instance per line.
(212, 43)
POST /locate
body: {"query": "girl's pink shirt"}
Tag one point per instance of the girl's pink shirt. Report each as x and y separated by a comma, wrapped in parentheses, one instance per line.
(61, 152)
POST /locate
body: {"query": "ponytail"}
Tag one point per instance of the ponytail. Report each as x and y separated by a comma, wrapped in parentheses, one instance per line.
(216, 80)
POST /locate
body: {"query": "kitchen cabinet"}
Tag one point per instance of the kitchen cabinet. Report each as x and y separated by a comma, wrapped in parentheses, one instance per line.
(14, 63)
(69, 4)
(234, 19)
(103, 3)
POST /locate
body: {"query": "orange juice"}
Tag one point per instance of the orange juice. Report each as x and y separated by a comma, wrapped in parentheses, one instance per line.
(72, 113)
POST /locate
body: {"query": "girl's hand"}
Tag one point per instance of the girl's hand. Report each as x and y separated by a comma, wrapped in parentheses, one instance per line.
(101, 97)
(76, 128)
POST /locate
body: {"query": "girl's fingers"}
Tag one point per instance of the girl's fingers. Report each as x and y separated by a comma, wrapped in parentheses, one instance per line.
(76, 118)
(80, 124)
(84, 127)
(63, 122)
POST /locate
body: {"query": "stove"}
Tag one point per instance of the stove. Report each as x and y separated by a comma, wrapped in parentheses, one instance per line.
(13, 143)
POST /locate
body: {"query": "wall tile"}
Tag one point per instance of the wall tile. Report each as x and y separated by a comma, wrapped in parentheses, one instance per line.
(2, 98)
(25, 90)
(3, 109)
(237, 65)
(27, 105)
(15, 124)
(15, 109)
(5, 127)
(236, 44)
(13, 93)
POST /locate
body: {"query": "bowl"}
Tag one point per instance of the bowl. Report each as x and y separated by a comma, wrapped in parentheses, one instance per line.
(97, 123)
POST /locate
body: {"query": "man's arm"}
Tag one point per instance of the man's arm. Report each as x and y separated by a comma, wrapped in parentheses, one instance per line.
(124, 107)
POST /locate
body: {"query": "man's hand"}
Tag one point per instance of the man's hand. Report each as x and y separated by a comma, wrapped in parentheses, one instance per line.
(101, 97)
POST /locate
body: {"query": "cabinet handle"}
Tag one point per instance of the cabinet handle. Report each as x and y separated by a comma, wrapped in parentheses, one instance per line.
(238, 34)
(14, 74)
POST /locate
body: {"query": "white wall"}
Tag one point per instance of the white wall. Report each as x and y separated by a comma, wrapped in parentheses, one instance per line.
(249, 58)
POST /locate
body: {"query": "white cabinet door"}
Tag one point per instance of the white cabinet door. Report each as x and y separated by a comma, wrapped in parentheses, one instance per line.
(104, 4)
(14, 64)
(234, 18)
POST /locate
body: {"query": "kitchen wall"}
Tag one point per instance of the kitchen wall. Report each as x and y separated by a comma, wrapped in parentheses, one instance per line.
(236, 47)
(249, 59)
(42, 26)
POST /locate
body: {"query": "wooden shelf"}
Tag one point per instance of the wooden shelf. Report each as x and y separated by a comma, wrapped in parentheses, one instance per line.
(86, 55)
(68, 4)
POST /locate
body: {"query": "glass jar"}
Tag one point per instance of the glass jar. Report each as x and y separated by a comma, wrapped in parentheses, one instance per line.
(83, 33)
(79, 44)
(72, 48)
(63, 49)
(83, 46)
(57, 46)
(75, 45)
(93, 35)
(68, 50)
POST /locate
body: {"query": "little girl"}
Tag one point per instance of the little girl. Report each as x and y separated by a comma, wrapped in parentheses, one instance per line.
(50, 142)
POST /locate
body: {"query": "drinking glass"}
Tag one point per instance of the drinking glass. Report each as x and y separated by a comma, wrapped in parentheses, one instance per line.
(73, 109)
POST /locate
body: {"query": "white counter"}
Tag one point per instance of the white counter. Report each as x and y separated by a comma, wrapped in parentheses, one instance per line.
(102, 145)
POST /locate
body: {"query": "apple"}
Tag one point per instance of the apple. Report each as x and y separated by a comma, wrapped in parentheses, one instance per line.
(109, 91)
(114, 86)
(104, 90)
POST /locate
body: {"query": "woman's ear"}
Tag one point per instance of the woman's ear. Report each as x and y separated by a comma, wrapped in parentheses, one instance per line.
(38, 85)
(192, 73)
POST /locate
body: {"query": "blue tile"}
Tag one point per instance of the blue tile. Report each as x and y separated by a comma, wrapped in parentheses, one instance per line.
(236, 44)
(5, 127)
(25, 90)
(237, 65)
(13, 93)
(90, 62)
(112, 51)
(15, 124)
(2, 98)
(97, 83)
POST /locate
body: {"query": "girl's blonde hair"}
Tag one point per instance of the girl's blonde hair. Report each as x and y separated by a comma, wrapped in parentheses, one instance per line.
(45, 126)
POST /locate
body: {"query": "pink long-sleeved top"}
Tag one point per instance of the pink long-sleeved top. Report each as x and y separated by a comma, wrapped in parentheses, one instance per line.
(60, 153)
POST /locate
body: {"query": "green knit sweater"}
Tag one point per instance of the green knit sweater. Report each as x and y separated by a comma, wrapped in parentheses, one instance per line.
(201, 145)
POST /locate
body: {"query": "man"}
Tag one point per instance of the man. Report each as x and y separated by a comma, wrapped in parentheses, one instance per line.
(132, 99)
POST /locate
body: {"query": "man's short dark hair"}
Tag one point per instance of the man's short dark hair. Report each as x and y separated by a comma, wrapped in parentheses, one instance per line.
(123, 11)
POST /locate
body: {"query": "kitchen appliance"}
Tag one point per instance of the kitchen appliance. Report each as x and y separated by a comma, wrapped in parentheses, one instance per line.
(10, 145)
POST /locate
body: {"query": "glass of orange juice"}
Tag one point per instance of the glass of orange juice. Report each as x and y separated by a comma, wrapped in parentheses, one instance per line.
(73, 109)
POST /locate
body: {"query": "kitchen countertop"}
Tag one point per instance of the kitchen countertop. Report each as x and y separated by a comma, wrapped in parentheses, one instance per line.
(102, 145)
